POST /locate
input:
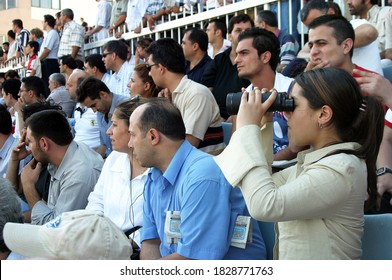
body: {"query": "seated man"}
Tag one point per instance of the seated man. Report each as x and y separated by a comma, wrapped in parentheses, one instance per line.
(74, 168)
(94, 94)
(289, 47)
(59, 94)
(7, 140)
(189, 210)
(198, 107)
(11, 212)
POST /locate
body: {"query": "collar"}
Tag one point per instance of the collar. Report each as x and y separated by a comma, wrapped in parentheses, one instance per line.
(182, 86)
(122, 163)
(115, 101)
(174, 168)
(57, 172)
(311, 156)
(61, 88)
(118, 75)
(373, 11)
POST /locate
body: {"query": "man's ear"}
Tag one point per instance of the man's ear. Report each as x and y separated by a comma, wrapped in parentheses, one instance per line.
(103, 95)
(266, 57)
(347, 44)
(154, 136)
(44, 144)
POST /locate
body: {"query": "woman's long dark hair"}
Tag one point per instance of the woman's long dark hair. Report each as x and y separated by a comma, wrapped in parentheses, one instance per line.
(357, 118)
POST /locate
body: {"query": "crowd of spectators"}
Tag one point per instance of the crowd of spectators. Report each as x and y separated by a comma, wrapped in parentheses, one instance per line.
(136, 135)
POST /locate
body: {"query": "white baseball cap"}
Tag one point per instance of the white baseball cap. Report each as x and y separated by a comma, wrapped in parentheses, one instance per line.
(75, 235)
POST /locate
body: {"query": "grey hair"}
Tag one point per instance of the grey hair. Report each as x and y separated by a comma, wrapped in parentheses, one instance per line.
(58, 78)
(10, 209)
(68, 12)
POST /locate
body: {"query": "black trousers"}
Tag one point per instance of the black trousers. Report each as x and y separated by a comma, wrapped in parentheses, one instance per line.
(49, 66)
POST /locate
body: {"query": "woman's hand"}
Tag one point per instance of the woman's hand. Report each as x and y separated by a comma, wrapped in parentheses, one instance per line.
(251, 109)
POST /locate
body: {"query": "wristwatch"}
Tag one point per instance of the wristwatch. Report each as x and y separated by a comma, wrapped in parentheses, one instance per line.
(383, 170)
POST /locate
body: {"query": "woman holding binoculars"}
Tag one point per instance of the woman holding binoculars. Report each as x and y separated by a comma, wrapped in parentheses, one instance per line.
(318, 203)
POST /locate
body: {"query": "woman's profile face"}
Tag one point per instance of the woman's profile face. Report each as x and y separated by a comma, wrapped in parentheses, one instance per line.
(136, 85)
(302, 123)
(118, 133)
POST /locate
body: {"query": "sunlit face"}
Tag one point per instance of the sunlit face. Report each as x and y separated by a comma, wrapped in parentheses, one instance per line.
(35, 148)
(138, 140)
(62, 67)
(108, 59)
(136, 85)
(119, 134)
(6, 98)
(52, 85)
(356, 7)
(28, 50)
(88, 69)
(141, 51)
(248, 62)
(302, 122)
(187, 47)
(71, 86)
(324, 47)
(210, 30)
(5, 47)
(62, 19)
(25, 96)
(154, 72)
(97, 105)
(237, 30)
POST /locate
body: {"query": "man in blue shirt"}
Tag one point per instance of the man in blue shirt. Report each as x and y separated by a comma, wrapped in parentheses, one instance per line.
(95, 94)
(190, 210)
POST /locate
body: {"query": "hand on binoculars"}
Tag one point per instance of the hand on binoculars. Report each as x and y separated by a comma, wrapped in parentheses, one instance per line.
(252, 110)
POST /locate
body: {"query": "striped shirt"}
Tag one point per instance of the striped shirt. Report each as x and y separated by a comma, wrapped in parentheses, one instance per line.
(73, 35)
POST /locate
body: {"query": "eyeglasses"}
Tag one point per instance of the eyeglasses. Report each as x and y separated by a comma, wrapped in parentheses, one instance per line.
(105, 54)
(148, 66)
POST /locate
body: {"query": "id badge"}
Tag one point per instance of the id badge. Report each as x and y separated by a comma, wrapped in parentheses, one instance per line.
(172, 226)
(242, 232)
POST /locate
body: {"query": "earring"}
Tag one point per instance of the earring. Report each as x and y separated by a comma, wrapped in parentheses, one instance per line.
(320, 125)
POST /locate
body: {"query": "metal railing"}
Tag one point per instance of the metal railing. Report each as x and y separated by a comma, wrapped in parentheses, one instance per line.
(175, 23)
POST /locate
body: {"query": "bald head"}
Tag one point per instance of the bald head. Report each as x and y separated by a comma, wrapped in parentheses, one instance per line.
(73, 82)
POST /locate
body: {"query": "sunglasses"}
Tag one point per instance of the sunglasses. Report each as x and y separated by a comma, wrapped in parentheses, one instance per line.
(105, 54)
(148, 66)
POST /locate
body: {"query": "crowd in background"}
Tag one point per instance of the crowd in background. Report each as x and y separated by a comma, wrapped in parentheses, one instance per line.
(136, 135)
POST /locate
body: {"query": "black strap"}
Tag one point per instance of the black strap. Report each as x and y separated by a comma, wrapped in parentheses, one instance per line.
(132, 230)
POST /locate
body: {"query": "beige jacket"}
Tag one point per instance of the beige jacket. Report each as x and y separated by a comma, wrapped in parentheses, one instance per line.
(317, 204)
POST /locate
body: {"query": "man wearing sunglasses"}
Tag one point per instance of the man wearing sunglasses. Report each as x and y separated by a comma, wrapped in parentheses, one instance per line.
(115, 58)
(198, 107)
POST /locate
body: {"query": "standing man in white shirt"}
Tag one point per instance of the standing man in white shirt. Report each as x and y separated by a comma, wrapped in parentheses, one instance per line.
(102, 22)
(381, 19)
(217, 42)
(49, 49)
(135, 13)
(117, 18)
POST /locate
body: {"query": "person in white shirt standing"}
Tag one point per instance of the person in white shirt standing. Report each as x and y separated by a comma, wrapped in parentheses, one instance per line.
(102, 22)
(49, 49)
